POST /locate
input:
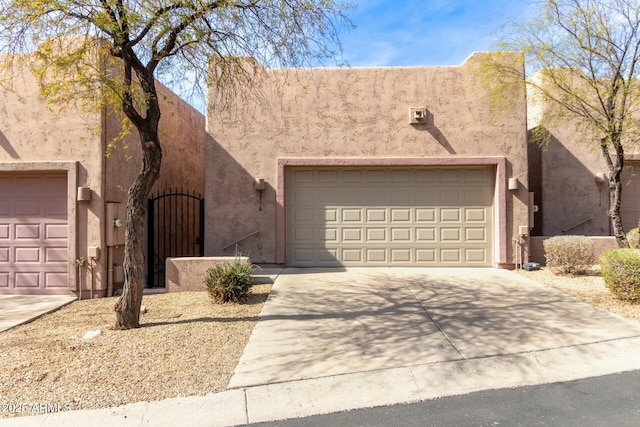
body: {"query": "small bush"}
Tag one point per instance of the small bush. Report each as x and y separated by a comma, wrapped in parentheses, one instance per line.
(632, 238)
(621, 272)
(229, 282)
(569, 254)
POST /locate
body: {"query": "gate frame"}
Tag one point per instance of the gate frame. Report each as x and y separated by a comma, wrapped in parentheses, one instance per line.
(151, 253)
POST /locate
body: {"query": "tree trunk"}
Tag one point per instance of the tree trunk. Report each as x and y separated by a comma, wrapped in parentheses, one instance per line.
(615, 197)
(128, 306)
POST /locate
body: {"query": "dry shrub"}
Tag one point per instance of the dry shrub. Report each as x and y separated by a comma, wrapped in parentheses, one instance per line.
(569, 254)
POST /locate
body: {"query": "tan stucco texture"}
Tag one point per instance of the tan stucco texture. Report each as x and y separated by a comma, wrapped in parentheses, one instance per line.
(338, 114)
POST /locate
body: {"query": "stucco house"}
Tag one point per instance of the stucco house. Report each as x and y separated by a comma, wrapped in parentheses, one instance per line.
(402, 166)
(569, 179)
(326, 167)
(60, 192)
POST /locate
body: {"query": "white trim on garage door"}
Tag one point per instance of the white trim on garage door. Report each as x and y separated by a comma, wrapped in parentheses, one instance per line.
(34, 233)
(389, 216)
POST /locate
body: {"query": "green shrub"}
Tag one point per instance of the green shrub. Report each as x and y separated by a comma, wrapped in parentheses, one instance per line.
(569, 254)
(621, 272)
(632, 238)
(229, 282)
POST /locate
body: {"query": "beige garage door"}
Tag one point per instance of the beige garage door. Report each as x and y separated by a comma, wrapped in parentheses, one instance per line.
(33, 234)
(389, 216)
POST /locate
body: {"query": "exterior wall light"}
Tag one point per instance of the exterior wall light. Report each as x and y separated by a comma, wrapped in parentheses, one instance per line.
(513, 184)
(117, 223)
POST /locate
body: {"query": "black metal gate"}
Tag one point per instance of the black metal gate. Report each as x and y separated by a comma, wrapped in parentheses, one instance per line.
(175, 228)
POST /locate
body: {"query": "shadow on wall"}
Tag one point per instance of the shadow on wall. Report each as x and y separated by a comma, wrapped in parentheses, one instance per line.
(235, 208)
(569, 197)
(433, 130)
(6, 146)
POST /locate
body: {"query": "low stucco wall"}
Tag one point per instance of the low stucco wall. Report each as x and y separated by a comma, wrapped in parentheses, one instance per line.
(189, 273)
(600, 244)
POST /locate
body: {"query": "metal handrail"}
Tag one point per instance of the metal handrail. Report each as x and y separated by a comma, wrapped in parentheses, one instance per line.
(578, 224)
(240, 239)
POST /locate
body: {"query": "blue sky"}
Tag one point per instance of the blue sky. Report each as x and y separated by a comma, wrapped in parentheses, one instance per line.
(424, 32)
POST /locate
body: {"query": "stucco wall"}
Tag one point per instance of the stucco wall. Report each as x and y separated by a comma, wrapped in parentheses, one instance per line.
(182, 134)
(566, 173)
(350, 113)
(34, 138)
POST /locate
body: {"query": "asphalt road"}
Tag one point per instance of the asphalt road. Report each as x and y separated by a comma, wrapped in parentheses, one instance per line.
(611, 400)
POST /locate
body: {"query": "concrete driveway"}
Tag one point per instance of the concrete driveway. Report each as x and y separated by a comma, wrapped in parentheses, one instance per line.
(18, 309)
(324, 323)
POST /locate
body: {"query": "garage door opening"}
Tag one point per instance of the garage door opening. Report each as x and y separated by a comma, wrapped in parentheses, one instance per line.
(33, 234)
(389, 216)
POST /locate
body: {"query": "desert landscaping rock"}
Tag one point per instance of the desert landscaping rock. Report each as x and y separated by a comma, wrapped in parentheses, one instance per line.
(186, 346)
(92, 334)
(589, 288)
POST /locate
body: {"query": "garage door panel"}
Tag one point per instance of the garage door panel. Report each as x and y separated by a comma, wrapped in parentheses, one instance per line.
(476, 256)
(425, 235)
(451, 255)
(27, 231)
(27, 280)
(4, 254)
(402, 255)
(376, 215)
(376, 255)
(376, 234)
(352, 235)
(451, 197)
(400, 215)
(328, 176)
(475, 215)
(450, 235)
(27, 255)
(27, 208)
(426, 215)
(426, 256)
(415, 216)
(351, 215)
(55, 255)
(4, 231)
(55, 280)
(331, 235)
(401, 235)
(450, 215)
(375, 176)
(352, 255)
(34, 233)
(400, 197)
(476, 235)
(374, 197)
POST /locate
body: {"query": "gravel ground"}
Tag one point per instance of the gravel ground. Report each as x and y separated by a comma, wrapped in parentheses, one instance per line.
(186, 346)
(589, 288)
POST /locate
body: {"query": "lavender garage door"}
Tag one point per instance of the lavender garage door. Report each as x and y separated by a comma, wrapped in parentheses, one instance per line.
(33, 234)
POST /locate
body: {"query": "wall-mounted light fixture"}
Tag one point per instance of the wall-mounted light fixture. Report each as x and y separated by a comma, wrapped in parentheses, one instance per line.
(260, 185)
(601, 178)
(117, 222)
(84, 194)
(513, 184)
